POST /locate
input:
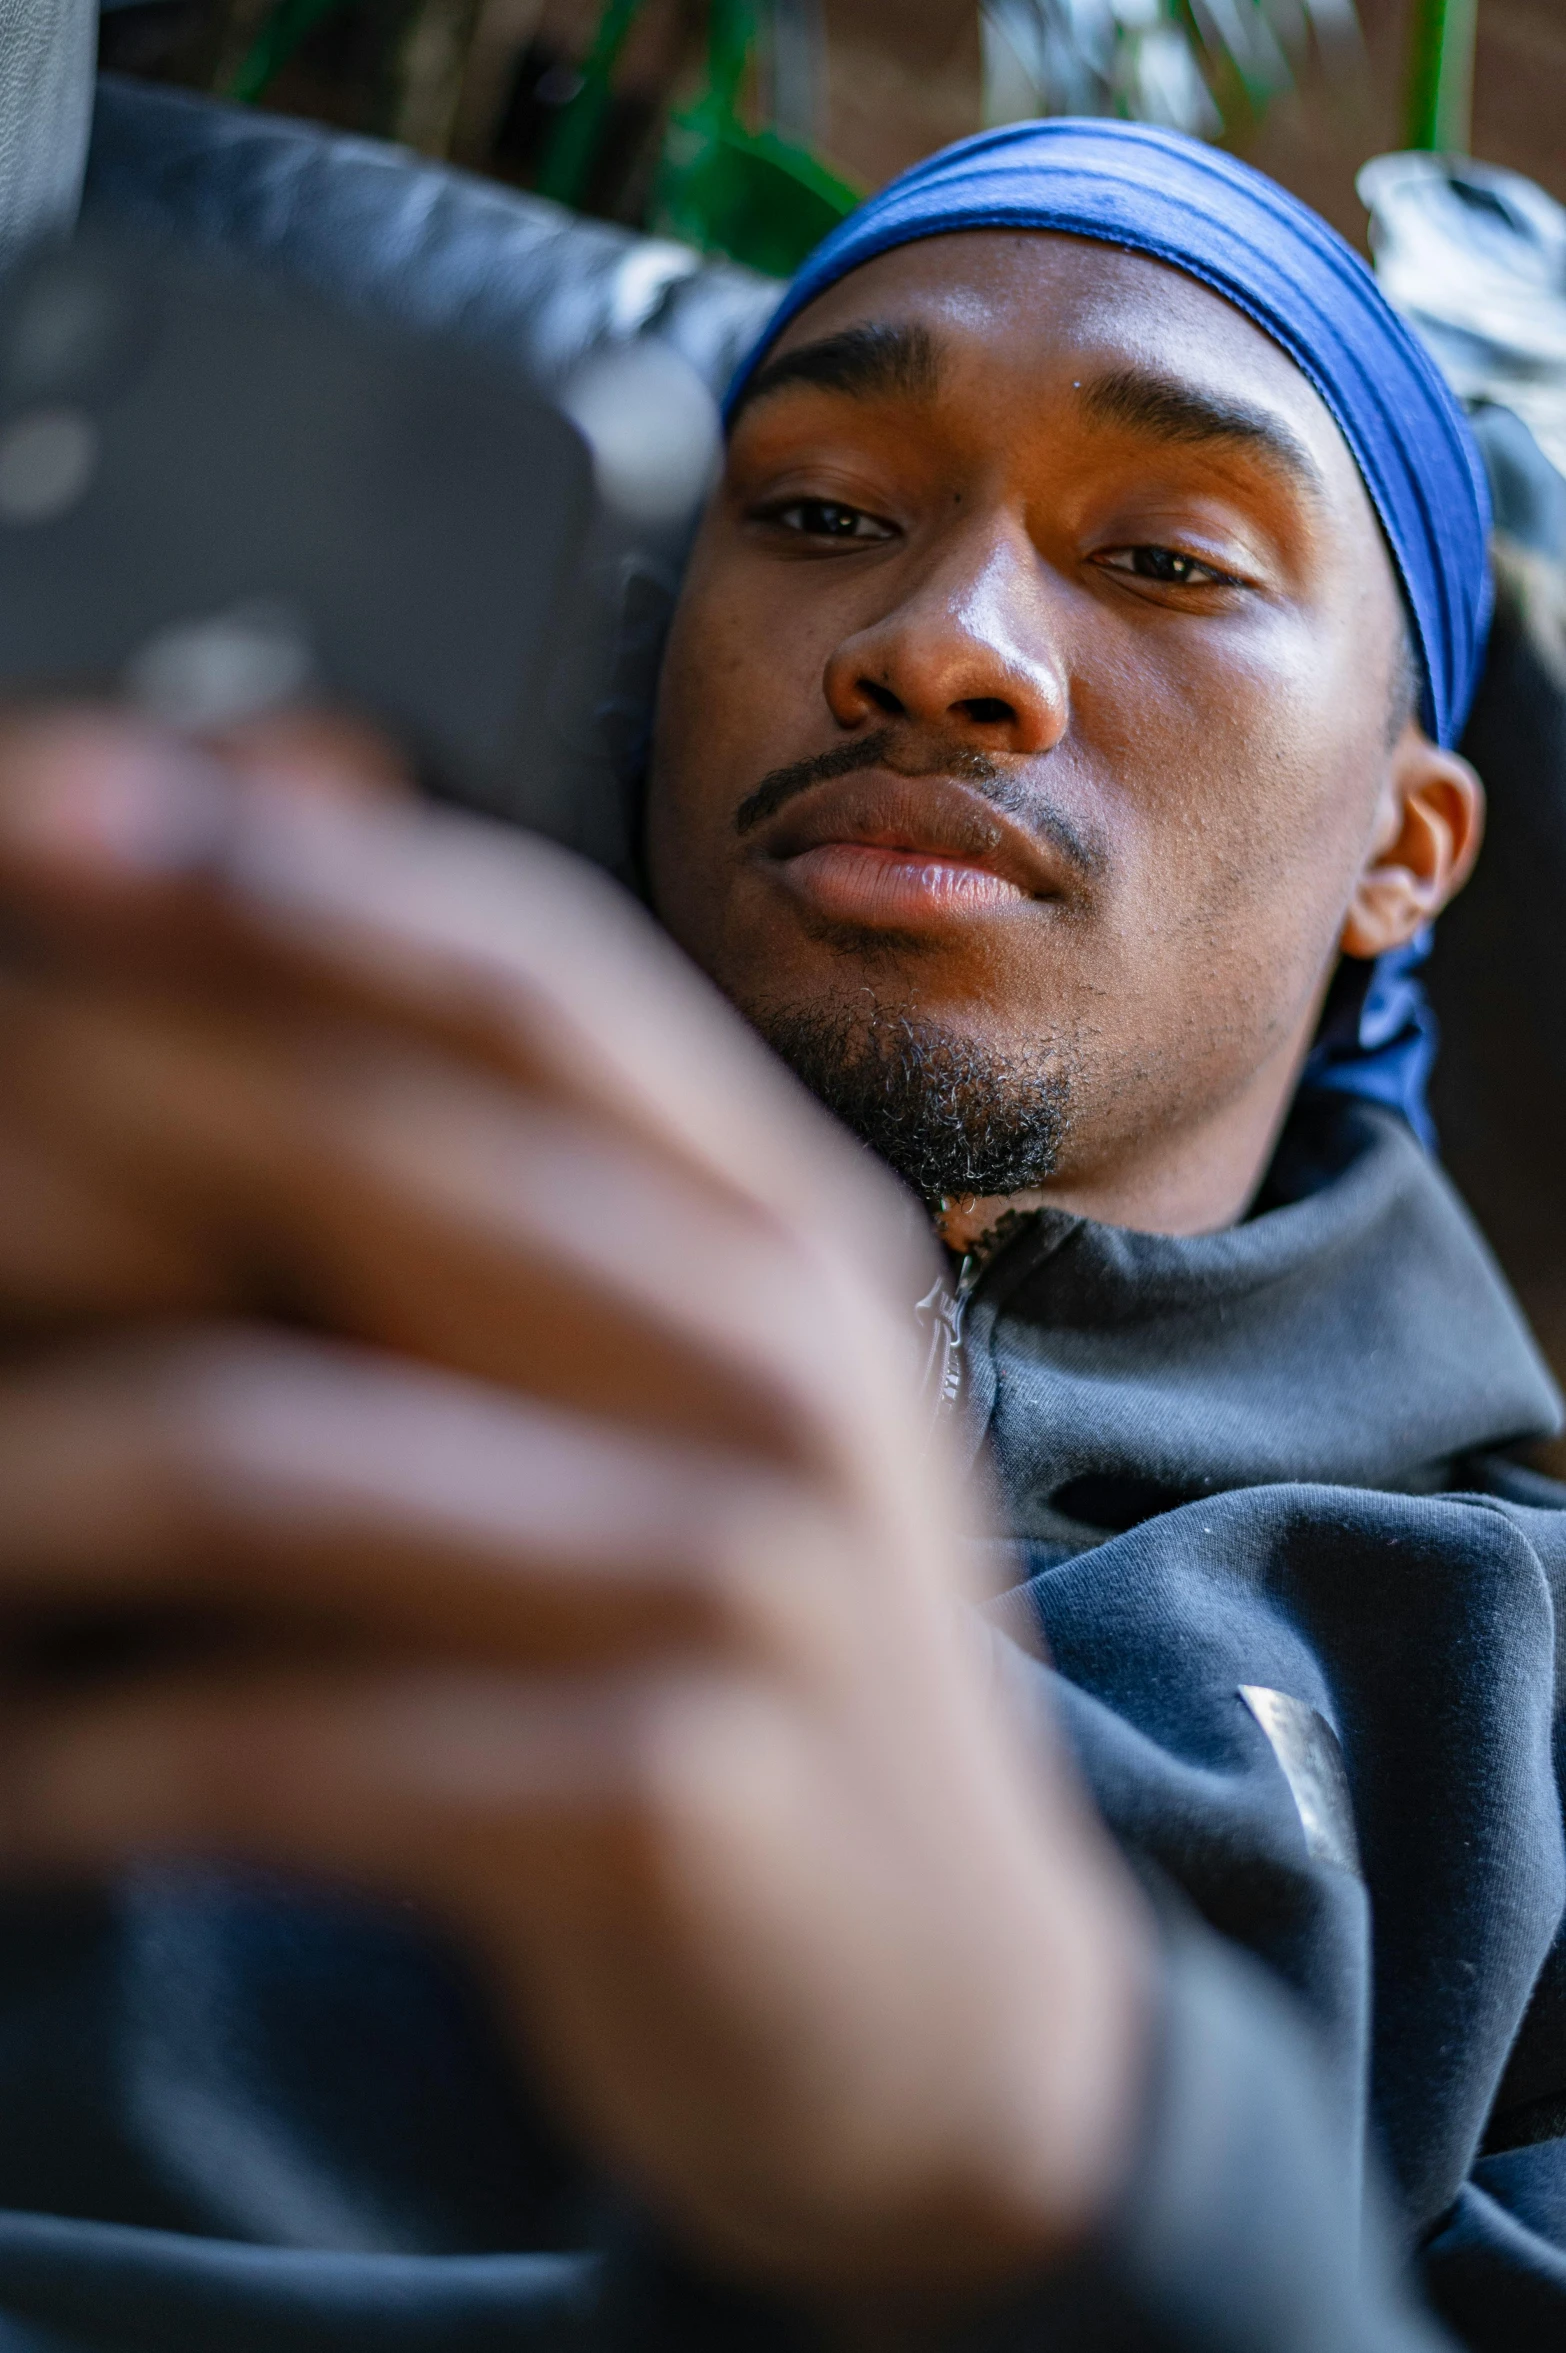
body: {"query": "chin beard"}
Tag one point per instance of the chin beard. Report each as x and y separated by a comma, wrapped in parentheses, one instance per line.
(949, 1117)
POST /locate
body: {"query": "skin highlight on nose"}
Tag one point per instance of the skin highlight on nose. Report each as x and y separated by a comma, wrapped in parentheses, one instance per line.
(969, 649)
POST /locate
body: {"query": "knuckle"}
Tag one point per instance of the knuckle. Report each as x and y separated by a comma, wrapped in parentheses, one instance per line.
(199, 1425)
(696, 1747)
(769, 1574)
(100, 1453)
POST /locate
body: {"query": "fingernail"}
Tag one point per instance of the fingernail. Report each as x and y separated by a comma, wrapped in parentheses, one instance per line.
(90, 802)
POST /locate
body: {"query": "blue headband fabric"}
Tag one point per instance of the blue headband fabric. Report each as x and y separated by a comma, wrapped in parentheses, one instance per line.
(1199, 210)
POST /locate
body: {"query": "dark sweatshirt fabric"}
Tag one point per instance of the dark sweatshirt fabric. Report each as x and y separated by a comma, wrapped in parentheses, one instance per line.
(1274, 1568)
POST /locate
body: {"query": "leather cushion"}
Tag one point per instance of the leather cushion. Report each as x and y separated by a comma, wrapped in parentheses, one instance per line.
(389, 234)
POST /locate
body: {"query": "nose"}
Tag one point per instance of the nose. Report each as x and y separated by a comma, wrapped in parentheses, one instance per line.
(968, 650)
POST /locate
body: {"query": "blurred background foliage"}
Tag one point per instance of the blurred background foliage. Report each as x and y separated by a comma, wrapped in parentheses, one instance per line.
(749, 126)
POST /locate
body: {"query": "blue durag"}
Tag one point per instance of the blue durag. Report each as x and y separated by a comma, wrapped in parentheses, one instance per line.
(1159, 193)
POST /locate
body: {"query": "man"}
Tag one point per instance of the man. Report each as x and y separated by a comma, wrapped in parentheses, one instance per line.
(480, 1390)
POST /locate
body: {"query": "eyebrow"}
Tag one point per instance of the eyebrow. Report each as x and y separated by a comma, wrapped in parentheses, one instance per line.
(871, 361)
(865, 362)
(1161, 408)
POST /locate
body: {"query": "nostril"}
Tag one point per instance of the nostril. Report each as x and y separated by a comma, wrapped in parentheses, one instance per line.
(987, 710)
(882, 697)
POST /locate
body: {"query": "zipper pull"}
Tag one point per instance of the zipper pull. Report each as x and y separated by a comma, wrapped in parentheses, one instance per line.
(943, 1309)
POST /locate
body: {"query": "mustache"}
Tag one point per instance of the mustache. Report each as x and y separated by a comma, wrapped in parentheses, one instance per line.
(1080, 847)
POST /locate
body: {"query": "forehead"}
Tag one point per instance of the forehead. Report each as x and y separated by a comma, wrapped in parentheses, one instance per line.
(1019, 315)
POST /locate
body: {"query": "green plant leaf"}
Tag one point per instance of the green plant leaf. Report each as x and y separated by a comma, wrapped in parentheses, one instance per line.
(748, 194)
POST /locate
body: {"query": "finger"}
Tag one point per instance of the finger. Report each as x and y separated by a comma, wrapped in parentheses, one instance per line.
(311, 1491)
(388, 1773)
(384, 1194)
(74, 1250)
(83, 882)
(594, 1840)
(725, 1929)
(313, 755)
(502, 948)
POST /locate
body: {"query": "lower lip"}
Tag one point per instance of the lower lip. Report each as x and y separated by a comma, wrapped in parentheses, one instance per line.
(858, 882)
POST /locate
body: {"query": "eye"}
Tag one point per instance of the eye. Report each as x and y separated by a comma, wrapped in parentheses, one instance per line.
(827, 518)
(1168, 567)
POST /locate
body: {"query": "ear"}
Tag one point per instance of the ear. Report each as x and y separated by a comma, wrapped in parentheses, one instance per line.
(1429, 825)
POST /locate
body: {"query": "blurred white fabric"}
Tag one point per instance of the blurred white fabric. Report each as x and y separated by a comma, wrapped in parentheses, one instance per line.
(48, 49)
(1475, 259)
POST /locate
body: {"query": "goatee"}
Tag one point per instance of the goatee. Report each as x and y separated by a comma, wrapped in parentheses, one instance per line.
(950, 1117)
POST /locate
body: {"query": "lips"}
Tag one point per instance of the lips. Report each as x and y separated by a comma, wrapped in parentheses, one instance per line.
(905, 853)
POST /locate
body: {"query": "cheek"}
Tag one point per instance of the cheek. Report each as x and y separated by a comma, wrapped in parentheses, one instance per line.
(740, 693)
(703, 709)
(1261, 775)
(1244, 791)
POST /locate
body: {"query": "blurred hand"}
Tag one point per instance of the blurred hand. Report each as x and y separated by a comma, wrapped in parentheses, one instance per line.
(407, 1258)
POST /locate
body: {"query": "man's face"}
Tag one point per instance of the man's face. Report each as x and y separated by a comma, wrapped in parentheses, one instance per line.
(1025, 721)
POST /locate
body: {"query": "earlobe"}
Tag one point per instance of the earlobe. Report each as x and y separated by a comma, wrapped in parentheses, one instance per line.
(1429, 826)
